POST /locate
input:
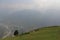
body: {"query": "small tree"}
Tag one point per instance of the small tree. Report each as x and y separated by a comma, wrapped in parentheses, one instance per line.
(16, 33)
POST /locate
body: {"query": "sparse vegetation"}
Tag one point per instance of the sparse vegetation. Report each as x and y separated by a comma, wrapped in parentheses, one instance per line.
(47, 33)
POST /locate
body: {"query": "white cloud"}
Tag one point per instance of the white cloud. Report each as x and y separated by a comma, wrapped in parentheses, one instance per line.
(47, 3)
(37, 4)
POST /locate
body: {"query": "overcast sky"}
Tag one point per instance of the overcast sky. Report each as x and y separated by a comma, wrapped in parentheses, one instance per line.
(29, 4)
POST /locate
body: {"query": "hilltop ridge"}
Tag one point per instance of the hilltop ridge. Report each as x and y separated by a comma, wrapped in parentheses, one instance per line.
(46, 33)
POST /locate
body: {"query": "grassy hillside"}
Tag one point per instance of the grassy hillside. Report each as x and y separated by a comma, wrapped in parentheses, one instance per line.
(47, 33)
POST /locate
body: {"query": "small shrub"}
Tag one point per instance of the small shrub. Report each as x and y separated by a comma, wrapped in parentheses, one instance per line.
(16, 33)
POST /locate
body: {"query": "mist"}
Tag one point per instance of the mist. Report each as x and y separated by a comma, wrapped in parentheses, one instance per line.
(29, 20)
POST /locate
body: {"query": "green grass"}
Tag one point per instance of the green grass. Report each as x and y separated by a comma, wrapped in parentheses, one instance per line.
(47, 33)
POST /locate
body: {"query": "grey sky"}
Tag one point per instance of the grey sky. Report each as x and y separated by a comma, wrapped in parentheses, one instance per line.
(14, 1)
(29, 4)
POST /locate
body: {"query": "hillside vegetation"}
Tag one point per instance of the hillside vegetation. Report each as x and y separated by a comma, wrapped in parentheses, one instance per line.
(46, 33)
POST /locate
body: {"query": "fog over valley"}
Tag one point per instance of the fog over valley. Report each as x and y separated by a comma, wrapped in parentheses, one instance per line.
(29, 19)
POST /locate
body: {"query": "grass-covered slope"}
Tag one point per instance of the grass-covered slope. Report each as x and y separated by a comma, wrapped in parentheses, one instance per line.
(47, 33)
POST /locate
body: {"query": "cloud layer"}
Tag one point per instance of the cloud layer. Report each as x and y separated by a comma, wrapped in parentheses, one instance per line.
(33, 4)
(47, 3)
